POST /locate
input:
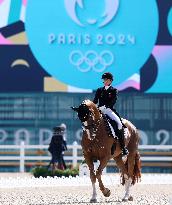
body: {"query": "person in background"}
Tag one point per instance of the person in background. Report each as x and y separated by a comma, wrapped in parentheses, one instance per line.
(56, 147)
(64, 133)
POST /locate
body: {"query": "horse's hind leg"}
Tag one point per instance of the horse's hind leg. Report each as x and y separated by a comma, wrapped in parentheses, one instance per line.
(128, 182)
(106, 192)
(127, 196)
(93, 178)
(121, 165)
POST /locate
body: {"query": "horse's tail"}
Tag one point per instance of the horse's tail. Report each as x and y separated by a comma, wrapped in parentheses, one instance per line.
(137, 168)
(136, 175)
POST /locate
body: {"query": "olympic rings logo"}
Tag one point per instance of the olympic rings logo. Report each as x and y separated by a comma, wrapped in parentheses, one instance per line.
(91, 60)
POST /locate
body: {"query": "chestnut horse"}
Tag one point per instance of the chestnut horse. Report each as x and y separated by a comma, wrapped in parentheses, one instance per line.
(97, 143)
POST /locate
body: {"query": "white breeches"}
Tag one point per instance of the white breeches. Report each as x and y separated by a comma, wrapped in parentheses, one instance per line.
(112, 115)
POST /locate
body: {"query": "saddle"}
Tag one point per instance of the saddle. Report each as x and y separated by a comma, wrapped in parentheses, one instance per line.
(112, 128)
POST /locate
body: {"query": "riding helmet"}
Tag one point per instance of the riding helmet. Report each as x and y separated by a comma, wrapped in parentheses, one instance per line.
(58, 130)
(107, 75)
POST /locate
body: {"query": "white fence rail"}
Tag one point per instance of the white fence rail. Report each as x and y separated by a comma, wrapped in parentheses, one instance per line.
(74, 158)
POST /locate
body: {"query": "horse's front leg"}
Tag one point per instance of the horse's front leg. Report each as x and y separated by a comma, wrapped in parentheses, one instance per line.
(93, 178)
(103, 162)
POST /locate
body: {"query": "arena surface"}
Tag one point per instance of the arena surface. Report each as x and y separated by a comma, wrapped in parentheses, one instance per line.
(26, 190)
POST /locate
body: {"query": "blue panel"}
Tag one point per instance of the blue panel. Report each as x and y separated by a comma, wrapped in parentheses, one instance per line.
(15, 9)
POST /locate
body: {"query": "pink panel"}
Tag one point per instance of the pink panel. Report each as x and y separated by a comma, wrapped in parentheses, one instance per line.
(4, 41)
(1, 1)
(24, 2)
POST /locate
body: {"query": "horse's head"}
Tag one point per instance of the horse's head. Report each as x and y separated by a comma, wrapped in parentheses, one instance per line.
(87, 110)
(83, 112)
(89, 116)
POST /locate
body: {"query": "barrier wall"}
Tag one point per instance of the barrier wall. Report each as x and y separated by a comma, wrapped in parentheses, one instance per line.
(31, 117)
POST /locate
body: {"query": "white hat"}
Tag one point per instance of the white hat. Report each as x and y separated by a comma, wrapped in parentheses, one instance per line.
(63, 125)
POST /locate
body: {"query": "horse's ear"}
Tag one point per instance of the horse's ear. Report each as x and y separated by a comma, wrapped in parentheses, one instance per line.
(75, 108)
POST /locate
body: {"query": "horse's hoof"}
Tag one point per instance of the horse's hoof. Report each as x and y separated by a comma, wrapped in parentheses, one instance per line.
(130, 198)
(93, 200)
(124, 199)
(107, 192)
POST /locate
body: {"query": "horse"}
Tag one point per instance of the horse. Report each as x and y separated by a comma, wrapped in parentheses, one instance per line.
(96, 144)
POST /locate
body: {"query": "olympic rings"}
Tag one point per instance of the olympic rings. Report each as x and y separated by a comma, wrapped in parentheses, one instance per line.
(91, 60)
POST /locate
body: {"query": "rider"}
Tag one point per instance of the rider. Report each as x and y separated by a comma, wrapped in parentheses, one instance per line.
(106, 98)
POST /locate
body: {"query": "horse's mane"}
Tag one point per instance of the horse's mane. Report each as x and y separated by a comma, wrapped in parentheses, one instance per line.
(93, 108)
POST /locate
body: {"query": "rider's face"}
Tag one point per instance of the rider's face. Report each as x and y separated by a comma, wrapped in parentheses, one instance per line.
(107, 81)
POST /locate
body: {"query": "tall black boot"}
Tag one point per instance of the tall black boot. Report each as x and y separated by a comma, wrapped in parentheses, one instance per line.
(114, 125)
(121, 142)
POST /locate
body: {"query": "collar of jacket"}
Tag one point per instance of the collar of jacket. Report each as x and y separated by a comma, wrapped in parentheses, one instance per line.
(107, 87)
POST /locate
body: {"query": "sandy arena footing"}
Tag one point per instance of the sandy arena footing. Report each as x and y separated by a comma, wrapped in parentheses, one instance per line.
(50, 193)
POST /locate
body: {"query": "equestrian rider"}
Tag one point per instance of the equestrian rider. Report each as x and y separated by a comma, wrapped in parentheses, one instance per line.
(106, 98)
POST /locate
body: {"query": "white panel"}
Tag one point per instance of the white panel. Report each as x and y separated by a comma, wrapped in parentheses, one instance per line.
(4, 12)
(23, 13)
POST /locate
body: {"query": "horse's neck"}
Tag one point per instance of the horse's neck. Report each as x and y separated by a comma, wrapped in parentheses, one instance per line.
(97, 114)
(99, 123)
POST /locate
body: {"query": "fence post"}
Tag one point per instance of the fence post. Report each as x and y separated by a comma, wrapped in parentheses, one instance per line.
(75, 154)
(22, 154)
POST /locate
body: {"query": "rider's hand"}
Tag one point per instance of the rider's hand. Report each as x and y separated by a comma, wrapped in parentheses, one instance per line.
(102, 108)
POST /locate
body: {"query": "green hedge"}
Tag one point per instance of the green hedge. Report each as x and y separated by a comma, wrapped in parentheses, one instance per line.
(44, 172)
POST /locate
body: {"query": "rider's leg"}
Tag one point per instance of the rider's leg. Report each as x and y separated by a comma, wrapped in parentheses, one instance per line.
(120, 132)
(122, 141)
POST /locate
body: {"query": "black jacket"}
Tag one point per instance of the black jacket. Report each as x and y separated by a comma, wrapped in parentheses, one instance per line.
(57, 145)
(106, 97)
